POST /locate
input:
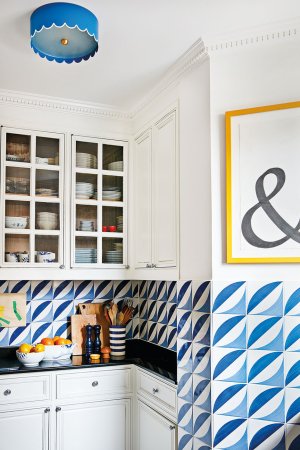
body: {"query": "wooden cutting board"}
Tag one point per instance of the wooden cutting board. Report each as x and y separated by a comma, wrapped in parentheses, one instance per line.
(97, 308)
(78, 323)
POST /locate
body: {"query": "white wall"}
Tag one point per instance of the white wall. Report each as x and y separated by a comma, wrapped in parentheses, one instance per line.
(261, 74)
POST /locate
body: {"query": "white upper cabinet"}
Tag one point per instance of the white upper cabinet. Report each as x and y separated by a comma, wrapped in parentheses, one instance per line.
(142, 200)
(156, 197)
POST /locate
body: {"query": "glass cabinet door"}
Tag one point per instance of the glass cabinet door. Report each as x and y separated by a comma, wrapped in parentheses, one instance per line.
(32, 198)
(99, 193)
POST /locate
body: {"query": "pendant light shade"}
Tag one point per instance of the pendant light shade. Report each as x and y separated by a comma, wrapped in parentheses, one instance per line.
(64, 32)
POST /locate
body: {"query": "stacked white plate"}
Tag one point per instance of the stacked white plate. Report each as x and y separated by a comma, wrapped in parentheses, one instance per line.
(86, 225)
(86, 160)
(117, 165)
(84, 190)
(45, 192)
(120, 224)
(47, 220)
(114, 256)
(85, 255)
(111, 193)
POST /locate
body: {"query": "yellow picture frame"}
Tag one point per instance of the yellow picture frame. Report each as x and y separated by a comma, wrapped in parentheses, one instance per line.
(230, 259)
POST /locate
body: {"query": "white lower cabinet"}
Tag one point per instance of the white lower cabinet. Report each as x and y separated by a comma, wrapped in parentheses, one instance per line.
(154, 431)
(94, 426)
(26, 429)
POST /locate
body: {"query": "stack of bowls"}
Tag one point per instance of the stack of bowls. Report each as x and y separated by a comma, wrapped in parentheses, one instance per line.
(45, 257)
(86, 160)
(117, 165)
(16, 222)
(47, 220)
(111, 193)
(84, 190)
(120, 224)
(87, 225)
(115, 256)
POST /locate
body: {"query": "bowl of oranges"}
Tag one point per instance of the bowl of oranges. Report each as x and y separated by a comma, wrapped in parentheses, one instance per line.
(57, 348)
(30, 355)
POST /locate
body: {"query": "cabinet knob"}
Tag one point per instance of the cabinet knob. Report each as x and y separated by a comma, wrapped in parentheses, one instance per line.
(62, 266)
(7, 392)
(58, 408)
(47, 410)
(155, 390)
(95, 383)
(148, 266)
(153, 266)
(172, 427)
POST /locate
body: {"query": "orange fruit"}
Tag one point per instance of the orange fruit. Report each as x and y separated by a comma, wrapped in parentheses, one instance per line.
(60, 341)
(47, 341)
(25, 348)
(32, 350)
(39, 348)
(67, 342)
(56, 338)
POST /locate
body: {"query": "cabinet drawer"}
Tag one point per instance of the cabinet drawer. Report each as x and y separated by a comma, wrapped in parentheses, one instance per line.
(158, 391)
(97, 383)
(27, 389)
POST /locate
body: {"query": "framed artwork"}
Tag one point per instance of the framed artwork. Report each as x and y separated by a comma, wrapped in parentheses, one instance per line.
(263, 184)
(12, 310)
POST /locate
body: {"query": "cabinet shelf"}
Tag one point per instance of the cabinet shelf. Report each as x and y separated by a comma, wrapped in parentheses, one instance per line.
(47, 167)
(86, 171)
(114, 204)
(16, 231)
(47, 232)
(40, 198)
(113, 173)
(81, 201)
(86, 233)
(112, 235)
(18, 164)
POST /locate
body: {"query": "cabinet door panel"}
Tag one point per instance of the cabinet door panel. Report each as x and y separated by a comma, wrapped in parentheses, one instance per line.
(24, 429)
(154, 430)
(94, 425)
(142, 210)
(164, 191)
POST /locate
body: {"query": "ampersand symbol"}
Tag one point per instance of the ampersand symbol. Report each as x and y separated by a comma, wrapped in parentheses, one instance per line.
(264, 203)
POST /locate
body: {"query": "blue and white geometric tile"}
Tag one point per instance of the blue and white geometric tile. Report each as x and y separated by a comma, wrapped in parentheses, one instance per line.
(122, 289)
(292, 334)
(292, 405)
(143, 330)
(292, 437)
(229, 433)
(135, 328)
(19, 335)
(4, 337)
(201, 327)
(172, 291)
(40, 330)
(161, 287)
(229, 399)
(41, 290)
(162, 316)
(62, 329)
(171, 338)
(184, 324)
(129, 330)
(198, 445)
(135, 289)
(265, 333)
(265, 368)
(185, 415)
(202, 425)
(28, 312)
(265, 299)
(263, 435)
(143, 290)
(292, 299)
(185, 385)
(84, 290)
(229, 299)
(172, 314)
(103, 290)
(162, 335)
(229, 365)
(184, 355)
(41, 311)
(152, 310)
(201, 360)
(20, 287)
(201, 392)
(63, 310)
(3, 287)
(136, 305)
(229, 331)
(185, 440)
(266, 403)
(184, 295)
(292, 369)
(201, 296)
(151, 290)
(143, 308)
(152, 332)
(63, 290)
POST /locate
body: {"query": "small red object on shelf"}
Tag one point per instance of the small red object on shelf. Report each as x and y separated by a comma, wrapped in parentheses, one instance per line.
(104, 229)
(112, 228)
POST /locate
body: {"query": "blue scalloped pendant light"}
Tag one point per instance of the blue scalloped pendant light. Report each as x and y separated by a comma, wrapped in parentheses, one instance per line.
(64, 32)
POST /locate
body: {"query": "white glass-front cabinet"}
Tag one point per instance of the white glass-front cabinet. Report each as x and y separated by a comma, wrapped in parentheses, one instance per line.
(32, 173)
(156, 198)
(99, 203)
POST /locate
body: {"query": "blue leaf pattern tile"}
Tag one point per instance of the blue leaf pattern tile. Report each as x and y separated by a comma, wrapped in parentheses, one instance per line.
(41, 290)
(104, 290)
(266, 435)
(266, 403)
(292, 437)
(229, 299)
(265, 299)
(63, 290)
(84, 290)
(229, 432)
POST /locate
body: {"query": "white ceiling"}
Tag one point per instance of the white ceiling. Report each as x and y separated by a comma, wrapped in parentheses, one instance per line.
(139, 40)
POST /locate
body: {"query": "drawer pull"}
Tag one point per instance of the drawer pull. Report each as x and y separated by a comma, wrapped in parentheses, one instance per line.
(58, 408)
(47, 410)
(7, 392)
(172, 427)
(155, 390)
(95, 383)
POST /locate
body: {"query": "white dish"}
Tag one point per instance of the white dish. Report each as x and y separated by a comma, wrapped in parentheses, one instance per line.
(58, 352)
(30, 359)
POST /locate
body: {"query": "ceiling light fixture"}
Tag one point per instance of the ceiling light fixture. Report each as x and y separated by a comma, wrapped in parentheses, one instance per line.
(64, 32)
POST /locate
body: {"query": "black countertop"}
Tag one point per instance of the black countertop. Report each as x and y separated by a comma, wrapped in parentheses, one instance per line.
(157, 359)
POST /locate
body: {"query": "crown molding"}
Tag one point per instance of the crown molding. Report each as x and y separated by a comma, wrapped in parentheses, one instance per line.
(193, 57)
(24, 99)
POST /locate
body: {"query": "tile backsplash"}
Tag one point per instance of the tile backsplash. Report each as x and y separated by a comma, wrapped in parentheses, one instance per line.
(50, 305)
